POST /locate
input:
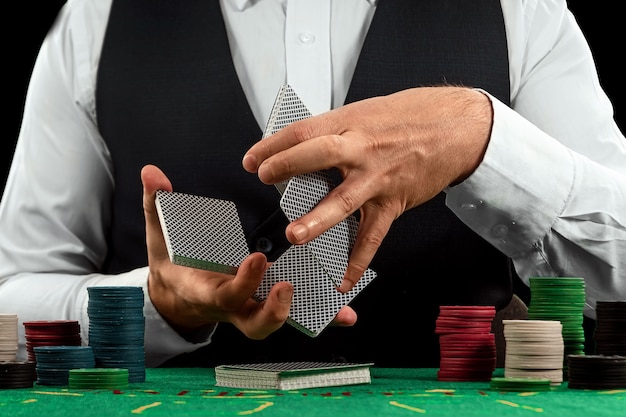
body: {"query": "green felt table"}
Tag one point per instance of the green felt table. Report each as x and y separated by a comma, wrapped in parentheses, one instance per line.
(184, 392)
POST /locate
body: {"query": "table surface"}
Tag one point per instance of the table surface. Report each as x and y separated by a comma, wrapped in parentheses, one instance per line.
(184, 392)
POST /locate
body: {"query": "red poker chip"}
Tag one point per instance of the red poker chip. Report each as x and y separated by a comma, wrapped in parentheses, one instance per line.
(54, 338)
(468, 353)
(448, 321)
(51, 323)
(474, 364)
(462, 375)
(467, 310)
(467, 337)
(463, 328)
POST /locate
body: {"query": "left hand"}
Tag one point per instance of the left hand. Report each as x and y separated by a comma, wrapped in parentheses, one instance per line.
(394, 153)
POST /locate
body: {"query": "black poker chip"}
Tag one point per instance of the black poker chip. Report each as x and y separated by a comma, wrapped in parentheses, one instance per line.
(596, 372)
(610, 332)
(17, 374)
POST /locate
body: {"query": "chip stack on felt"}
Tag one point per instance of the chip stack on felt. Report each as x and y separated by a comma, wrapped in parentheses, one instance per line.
(467, 345)
(55, 362)
(116, 329)
(610, 332)
(561, 299)
(51, 333)
(14, 374)
(534, 349)
(8, 337)
(606, 369)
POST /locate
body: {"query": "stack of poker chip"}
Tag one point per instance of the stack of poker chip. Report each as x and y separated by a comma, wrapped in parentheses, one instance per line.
(467, 345)
(562, 299)
(116, 329)
(99, 378)
(610, 332)
(55, 362)
(50, 333)
(534, 349)
(596, 372)
(17, 374)
(8, 337)
(606, 369)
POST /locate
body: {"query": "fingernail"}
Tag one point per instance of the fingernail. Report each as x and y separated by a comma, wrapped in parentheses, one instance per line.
(346, 286)
(249, 162)
(300, 232)
(285, 294)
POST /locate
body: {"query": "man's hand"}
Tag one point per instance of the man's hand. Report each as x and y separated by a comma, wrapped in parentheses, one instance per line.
(394, 153)
(190, 298)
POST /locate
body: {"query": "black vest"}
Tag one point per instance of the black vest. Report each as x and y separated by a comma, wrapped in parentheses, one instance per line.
(168, 95)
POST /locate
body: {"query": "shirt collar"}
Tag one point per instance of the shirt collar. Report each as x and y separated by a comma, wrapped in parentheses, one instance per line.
(243, 4)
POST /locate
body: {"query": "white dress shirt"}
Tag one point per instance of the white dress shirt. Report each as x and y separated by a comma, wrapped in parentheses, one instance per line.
(550, 193)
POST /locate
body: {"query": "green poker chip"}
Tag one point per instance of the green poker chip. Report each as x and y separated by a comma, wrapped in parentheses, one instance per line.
(103, 378)
(520, 384)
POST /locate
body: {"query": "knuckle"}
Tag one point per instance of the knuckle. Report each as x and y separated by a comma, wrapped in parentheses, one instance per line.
(347, 201)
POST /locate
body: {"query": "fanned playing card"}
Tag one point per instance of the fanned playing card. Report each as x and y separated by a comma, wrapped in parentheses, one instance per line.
(206, 233)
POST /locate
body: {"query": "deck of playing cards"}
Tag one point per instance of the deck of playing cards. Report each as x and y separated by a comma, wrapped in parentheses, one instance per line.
(292, 375)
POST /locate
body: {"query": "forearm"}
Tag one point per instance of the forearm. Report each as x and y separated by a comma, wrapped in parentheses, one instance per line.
(53, 296)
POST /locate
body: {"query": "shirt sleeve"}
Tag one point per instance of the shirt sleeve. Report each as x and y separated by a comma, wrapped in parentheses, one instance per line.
(551, 190)
(55, 211)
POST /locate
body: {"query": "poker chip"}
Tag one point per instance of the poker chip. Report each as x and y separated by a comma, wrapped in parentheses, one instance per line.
(610, 331)
(596, 372)
(51, 333)
(560, 299)
(99, 378)
(520, 384)
(54, 362)
(17, 374)
(534, 349)
(116, 329)
(8, 337)
(467, 346)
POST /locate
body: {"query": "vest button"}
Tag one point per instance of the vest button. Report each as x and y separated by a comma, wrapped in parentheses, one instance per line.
(264, 245)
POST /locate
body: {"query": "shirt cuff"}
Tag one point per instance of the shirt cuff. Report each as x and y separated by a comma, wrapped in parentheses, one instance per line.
(517, 192)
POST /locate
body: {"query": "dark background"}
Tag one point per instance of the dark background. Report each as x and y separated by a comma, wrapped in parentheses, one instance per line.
(600, 24)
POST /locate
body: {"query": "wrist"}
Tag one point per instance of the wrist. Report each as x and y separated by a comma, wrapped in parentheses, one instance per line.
(474, 131)
(176, 312)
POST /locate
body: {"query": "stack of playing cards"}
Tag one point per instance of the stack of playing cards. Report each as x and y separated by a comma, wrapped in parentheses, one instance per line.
(292, 375)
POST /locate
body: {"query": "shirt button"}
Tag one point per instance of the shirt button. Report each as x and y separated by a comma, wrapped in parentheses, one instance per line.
(470, 206)
(500, 230)
(306, 38)
(264, 245)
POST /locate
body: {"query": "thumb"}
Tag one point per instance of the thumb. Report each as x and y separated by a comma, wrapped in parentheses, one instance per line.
(154, 179)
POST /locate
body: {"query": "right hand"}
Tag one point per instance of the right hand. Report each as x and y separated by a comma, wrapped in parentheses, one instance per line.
(190, 299)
